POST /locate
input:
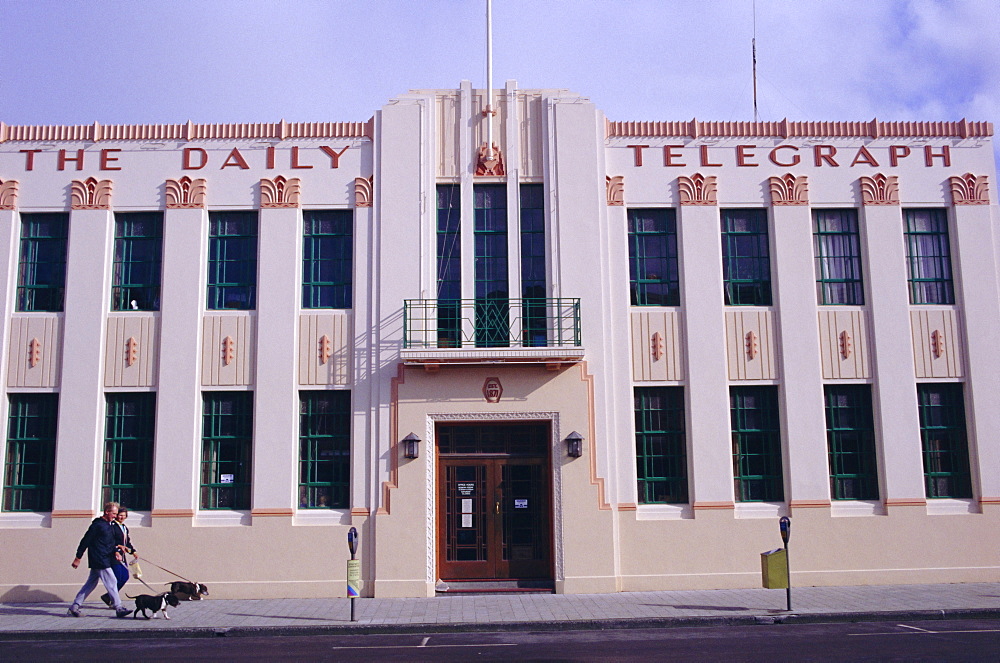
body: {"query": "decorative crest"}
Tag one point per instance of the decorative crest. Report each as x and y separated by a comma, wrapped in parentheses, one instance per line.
(486, 166)
(789, 190)
(880, 190)
(966, 189)
(279, 192)
(616, 190)
(8, 194)
(90, 194)
(364, 191)
(697, 189)
(186, 193)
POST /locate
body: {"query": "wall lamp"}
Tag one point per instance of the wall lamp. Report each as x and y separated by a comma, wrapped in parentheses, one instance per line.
(574, 445)
(411, 446)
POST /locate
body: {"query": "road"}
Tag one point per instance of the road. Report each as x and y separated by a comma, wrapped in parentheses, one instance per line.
(939, 640)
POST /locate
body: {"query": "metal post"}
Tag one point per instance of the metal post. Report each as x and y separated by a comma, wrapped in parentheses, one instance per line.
(352, 568)
(785, 525)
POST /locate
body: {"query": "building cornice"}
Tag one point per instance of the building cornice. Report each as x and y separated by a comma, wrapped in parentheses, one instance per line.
(787, 129)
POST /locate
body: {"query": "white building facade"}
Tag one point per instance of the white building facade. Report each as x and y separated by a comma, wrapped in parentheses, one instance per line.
(593, 356)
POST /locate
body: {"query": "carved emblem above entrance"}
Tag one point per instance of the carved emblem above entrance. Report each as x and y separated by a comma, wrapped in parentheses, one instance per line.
(492, 390)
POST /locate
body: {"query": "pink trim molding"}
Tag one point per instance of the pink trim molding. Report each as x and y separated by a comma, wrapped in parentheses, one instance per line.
(280, 192)
(966, 189)
(697, 189)
(90, 194)
(789, 190)
(8, 194)
(364, 191)
(186, 193)
(786, 129)
(879, 189)
(615, 190)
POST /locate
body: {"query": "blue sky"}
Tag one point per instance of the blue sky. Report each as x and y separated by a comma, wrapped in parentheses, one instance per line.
(152, 61)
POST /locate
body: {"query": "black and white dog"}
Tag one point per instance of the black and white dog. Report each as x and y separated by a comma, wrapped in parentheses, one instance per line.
(188, 591)
(156, 604)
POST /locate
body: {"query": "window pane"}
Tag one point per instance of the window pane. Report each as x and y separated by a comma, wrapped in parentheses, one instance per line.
(928, 257)
(944, 441)
(135, 281)
(757, 466)
(324, 449)
(746, 266)
(327, 259)
(850, 432)
(128, 449)
(232, 260)
(838, 257)
(29, 465)
(660, 445)
(42, 270)
(653, 271)
(227, 448)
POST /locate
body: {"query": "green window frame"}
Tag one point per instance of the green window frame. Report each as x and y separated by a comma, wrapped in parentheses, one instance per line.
(226, 449)
(29, 464)
(928, 256)
(746, 257)
(837, 246)
(492, 289)
(232, 261)
(327, 258)
(41, 276)
(449, 266)
(324, 449)
(660, 445)
(943, 439)
(136, 273)
(850, 435)
(756, 431)
(654, 278)
(129, 428)
(534, 284)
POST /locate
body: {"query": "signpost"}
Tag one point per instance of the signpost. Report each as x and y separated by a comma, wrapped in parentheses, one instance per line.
(353, 569)
(785, 525)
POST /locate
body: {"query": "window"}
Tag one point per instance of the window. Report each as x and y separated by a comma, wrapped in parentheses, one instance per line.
(128, 449)
(753, 413)
(138, 249)
(226, 451)
(660, 445)
(746, 265)
(327, 258)
(534, 286)
(838, 257)
(324, 449)
(31, 446)
(850, 435)
(652, 253)
(41, 277)
(232, 260)
(449, 267)
(492, 290)
(928, 257)
(943, 439)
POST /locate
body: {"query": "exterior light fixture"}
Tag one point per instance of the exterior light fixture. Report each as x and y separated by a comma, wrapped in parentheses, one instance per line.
(411, 446)
(574, 445)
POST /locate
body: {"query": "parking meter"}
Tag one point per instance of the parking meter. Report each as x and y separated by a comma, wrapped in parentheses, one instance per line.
(352, 541)
(353, 570)
(785, 525)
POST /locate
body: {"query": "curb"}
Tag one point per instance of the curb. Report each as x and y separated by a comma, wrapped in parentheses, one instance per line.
(504, 627)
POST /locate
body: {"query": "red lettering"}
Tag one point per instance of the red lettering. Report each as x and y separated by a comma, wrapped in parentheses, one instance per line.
(637, 151)
(29, 158)
(897, 152)
(864, 156)
(270, 157)
(235, 159)
(203, 158)
(773, 156)
(334, 156)
(295, 158)
(742, 155)
(669, 155)
(825, 153)
(106, 159)
(704, 157)
(944, 155)
(78, 159)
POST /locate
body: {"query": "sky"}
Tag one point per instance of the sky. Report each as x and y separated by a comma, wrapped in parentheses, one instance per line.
(218, 61)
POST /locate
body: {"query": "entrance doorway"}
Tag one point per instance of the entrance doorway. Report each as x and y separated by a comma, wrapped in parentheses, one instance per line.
(494, 501)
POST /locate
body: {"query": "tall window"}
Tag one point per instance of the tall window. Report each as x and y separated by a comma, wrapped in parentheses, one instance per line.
(928, 257)
(492, 289)
(324, 449)
(533, 282)
(138, 249)
(232, 260)
(449, 266)
(943, 439)
(746, 263)
(226, 449)
(652, 253)
(660, 445)
(41, 277)
(850, 436)
(838, 257)
(756, 431)
(128, 449)
(31, 446)
(327, 258)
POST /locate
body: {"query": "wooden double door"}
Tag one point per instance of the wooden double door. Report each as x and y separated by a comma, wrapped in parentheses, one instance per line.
(494, 502)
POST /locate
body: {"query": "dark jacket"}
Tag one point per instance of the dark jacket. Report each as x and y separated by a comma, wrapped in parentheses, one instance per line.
(99, 542)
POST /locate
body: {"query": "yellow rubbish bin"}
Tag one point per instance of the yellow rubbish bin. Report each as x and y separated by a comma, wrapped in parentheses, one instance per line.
(774, 569)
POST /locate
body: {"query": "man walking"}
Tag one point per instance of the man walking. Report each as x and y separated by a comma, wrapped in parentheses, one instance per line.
(102, 554)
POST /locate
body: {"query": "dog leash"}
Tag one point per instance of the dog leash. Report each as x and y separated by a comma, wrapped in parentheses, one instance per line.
(148, 561)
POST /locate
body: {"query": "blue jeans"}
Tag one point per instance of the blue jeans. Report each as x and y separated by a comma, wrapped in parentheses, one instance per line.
(106, 576)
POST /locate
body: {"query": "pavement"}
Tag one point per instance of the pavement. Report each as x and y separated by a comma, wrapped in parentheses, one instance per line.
(512, 612)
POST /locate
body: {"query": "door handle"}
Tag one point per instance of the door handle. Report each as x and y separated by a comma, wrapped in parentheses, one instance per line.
(496, 506)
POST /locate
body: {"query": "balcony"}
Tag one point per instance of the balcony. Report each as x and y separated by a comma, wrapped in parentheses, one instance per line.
(486, 331)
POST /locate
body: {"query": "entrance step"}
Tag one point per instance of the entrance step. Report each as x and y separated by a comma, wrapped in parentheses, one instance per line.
(498, 586)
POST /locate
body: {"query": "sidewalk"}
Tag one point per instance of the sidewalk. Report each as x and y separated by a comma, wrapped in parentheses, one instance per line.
(210, 618)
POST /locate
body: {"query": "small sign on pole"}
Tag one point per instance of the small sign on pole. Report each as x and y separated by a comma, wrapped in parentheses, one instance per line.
(353, 569)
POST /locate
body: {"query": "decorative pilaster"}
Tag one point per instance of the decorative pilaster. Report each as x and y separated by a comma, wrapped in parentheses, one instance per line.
(279, 193)
(615, 190)
(697, 190)
(789, 190)
(186, 193)
(90, 194)
(8, 194)
(966, 189)
(880, 190)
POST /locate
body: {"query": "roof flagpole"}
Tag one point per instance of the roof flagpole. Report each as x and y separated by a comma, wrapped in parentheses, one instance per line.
(488, 111)
(753, 43)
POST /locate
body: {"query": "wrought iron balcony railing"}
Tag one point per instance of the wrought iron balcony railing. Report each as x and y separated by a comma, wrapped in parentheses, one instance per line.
(491, 323)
